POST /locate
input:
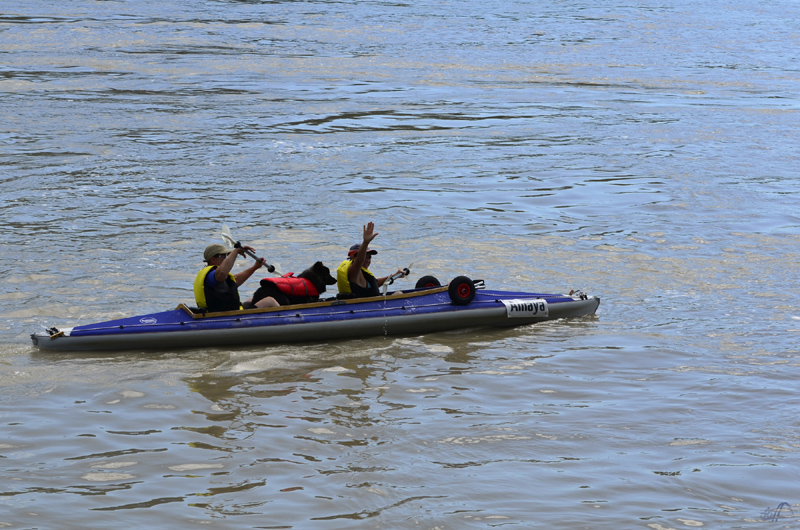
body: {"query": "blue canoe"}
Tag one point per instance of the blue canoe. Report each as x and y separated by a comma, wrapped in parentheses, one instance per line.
(461, 304)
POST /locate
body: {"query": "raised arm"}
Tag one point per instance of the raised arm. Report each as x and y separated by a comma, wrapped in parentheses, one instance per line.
(353, 273)
(227, 265)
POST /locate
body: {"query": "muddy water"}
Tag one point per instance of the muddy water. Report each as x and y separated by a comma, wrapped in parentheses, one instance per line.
(642, 152)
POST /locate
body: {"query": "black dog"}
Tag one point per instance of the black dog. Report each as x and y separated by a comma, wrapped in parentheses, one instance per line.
(301, 289)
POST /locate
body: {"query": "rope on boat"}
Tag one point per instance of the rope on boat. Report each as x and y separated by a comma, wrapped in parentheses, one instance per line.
(276, 315)
(265, 316)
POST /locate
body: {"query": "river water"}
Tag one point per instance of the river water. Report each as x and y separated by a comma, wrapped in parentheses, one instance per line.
(642, 151)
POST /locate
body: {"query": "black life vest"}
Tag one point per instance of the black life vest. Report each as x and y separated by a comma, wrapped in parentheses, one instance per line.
(224, 296)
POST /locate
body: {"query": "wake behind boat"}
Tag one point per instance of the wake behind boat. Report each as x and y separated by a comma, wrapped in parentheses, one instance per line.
(462, 304)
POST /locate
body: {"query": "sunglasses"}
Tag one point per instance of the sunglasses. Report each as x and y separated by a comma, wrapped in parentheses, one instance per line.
(222, 255)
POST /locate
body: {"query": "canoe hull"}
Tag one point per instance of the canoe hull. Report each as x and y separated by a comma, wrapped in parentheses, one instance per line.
(414, 314)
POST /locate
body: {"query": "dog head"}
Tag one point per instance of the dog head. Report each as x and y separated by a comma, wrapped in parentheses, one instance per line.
(319, 275)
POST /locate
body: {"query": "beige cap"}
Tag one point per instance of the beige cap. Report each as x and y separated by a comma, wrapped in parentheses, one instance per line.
(213, 250)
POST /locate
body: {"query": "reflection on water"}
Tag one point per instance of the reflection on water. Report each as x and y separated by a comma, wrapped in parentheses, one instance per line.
(377, 429)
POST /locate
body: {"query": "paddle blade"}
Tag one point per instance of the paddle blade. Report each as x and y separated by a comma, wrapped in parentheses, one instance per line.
(227, 237)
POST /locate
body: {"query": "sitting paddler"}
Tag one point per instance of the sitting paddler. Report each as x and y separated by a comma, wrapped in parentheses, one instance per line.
(353, 277)
(216, 288)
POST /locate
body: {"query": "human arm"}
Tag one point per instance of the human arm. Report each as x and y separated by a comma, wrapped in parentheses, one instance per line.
(354, 272)
(243, 276)
(224, 268)
(399, 274)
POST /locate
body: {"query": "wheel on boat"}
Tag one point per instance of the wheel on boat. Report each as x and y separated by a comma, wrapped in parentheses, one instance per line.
(428, 281)
(461, 290)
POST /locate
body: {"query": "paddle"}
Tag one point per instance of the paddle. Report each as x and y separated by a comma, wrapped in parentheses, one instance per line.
(390, 280)
(229, 240)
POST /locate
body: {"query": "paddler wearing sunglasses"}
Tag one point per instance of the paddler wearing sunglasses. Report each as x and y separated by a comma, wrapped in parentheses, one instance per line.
(220, 291)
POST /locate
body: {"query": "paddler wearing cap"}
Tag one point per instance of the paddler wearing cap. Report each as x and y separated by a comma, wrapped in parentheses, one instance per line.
(353, 277)
(220, 291)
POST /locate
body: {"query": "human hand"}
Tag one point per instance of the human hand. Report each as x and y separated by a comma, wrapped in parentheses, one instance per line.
(369, 233)
(242, 250)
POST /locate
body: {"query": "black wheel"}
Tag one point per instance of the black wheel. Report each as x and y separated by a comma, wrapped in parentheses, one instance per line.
(428, 281)
(461, 290)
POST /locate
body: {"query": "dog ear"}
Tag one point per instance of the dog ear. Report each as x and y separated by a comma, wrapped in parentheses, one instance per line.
(321, 268)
